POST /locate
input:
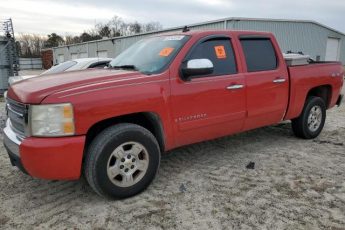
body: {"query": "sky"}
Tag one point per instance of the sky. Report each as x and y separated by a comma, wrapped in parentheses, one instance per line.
(72, 17)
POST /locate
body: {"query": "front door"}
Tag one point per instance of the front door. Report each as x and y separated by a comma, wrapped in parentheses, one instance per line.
(206, 107)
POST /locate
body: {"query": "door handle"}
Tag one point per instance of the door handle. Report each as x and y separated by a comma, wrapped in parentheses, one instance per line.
(233, 87)
(279, 80)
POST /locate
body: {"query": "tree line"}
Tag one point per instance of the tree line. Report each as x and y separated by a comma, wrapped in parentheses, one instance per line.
(30, 45)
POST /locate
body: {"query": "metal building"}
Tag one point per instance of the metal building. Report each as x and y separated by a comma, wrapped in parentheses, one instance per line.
(319, 41)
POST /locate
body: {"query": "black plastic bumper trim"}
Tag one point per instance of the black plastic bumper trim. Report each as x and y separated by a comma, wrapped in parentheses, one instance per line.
(340, 100)
(15, 160)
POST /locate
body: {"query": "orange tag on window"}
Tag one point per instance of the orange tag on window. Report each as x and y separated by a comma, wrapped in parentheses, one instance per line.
(166, 52)
(220, 52)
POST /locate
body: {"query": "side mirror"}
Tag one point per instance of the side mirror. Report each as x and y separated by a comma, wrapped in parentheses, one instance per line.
(197, 67)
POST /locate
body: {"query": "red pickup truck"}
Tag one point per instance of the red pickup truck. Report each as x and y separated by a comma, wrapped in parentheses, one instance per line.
(163, 92)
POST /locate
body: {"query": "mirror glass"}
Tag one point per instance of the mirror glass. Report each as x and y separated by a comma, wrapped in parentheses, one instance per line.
(196, 67)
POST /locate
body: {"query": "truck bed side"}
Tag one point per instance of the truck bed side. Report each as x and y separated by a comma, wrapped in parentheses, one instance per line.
(303, 79)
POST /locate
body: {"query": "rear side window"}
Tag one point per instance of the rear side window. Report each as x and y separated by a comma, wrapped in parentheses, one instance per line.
(260, 54)
(220, 52)
(99, 65)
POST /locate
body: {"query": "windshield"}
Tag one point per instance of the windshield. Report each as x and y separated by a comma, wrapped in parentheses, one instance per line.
(151, 55)
(60, 68)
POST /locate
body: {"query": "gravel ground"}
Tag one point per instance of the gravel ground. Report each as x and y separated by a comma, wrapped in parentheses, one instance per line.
(294, 184)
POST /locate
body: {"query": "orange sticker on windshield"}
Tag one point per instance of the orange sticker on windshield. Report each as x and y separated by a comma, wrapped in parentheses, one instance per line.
(166, 52)
(220, 52)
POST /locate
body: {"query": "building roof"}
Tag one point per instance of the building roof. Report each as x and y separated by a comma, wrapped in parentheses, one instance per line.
(211, 22)
(282, 20)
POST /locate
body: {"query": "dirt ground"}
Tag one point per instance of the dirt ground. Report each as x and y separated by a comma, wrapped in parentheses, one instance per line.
(295, 184)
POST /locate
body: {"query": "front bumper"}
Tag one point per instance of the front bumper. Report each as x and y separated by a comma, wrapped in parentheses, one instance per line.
(46, 158)
(13, 151)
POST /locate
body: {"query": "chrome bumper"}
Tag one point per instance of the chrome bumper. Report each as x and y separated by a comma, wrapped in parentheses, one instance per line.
(5, 98)
(11, 140)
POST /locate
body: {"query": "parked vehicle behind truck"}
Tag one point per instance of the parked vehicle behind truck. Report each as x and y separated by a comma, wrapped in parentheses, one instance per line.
(72, 65)
(161, 93)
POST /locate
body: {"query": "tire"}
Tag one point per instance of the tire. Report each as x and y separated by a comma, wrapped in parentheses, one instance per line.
(115, 154)
(309, 125)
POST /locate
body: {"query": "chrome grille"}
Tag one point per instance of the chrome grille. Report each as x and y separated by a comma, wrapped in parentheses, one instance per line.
(17, 113)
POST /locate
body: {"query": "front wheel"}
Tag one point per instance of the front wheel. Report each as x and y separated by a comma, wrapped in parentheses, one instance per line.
(312, 119)
(122, 161)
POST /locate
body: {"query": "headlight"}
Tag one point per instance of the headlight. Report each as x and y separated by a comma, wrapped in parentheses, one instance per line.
(51, 120)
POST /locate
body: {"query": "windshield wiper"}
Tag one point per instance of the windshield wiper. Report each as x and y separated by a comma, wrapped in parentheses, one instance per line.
(130, 67)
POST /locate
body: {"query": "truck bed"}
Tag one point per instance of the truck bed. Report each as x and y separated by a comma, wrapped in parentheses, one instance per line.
(305, 77)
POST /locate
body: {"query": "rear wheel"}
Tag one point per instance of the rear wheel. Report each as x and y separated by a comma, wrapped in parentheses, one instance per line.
(122, 161)
(312, 119)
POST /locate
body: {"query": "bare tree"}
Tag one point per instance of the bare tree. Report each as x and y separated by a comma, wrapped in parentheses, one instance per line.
(116, 24)
(152, 26)
(103, 30)
(38, 43)
(31, 44)
(25, 44)
(135, 28)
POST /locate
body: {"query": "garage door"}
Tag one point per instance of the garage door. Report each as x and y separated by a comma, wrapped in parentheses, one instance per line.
(332, 50)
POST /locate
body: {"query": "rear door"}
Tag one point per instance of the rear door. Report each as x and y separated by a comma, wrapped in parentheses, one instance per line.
(267, 81)
(209, 106)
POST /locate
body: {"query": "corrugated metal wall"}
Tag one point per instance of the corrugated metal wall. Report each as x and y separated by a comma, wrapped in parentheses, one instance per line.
(307, 37)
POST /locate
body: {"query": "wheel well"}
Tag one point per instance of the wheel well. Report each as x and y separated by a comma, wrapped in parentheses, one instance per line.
(148, 120)
(323, 91)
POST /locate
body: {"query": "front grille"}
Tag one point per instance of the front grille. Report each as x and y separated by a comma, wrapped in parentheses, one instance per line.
(17, 113)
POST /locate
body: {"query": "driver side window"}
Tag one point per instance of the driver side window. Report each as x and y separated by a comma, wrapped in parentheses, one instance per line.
(219, 52)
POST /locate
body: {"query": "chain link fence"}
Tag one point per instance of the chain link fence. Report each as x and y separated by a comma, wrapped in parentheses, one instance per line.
(8, 54)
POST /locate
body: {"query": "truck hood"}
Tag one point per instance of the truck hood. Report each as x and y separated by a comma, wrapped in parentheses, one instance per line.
(14, 79)
(34, 90)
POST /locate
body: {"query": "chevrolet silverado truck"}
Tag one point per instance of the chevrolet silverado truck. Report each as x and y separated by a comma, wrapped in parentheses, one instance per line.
(162, 92)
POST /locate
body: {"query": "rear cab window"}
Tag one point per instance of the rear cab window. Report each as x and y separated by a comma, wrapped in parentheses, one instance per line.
(259, 54)
(219, 51)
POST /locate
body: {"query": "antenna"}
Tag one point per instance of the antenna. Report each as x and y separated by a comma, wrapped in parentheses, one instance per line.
(185, 29)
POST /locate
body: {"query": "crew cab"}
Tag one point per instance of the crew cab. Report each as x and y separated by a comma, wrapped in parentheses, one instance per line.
(163, 92)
